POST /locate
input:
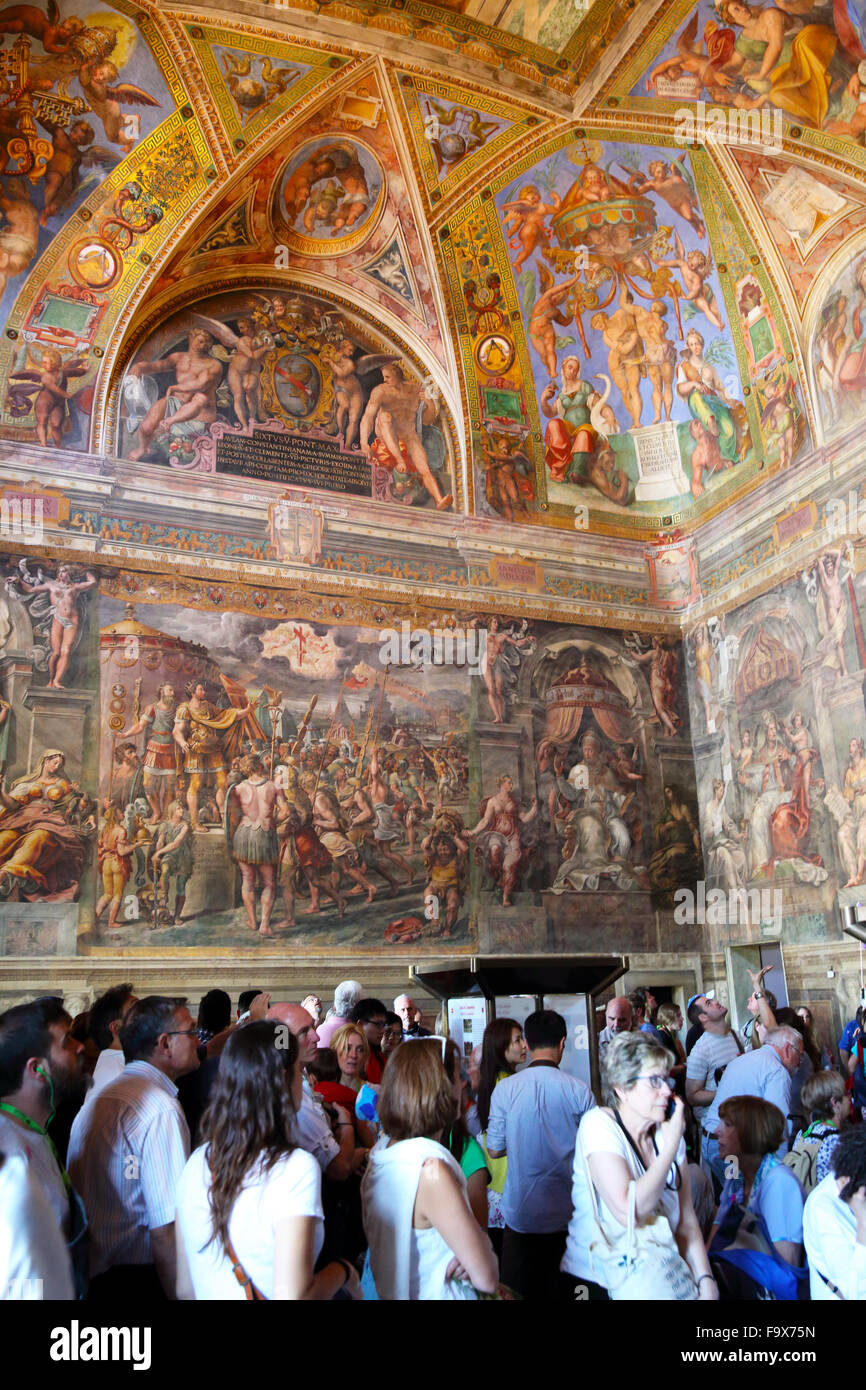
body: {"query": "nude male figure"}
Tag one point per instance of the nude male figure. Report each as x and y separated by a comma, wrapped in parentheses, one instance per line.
(393, 407)
(625, 352)
(193, 396)
(66, 622)
(835, 613)
(661, 356)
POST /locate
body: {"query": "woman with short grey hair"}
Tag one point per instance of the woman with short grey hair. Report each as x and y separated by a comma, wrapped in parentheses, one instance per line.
(635, 1140)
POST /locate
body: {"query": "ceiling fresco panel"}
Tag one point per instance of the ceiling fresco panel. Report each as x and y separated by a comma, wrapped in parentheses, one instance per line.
(623, 374)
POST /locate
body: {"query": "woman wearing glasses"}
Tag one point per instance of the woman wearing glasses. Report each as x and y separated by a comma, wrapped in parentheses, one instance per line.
(424, 1241)
(632, 1141)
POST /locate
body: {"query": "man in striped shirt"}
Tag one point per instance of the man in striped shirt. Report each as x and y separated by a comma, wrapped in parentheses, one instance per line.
(715, 1048)
(129, 1151)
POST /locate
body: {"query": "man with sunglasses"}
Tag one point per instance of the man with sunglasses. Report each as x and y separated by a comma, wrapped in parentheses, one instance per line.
(129, 1152)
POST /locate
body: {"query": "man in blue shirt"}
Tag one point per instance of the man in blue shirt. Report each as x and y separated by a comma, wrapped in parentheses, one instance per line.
(765, 1072)
(534, 1117)
(846, 1042)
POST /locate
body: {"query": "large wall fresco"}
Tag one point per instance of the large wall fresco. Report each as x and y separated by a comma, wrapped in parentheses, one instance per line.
(186, 778)
(778, 718)
(294, 389)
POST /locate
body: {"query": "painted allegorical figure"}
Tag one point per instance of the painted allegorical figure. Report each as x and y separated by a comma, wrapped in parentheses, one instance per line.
(41, 851)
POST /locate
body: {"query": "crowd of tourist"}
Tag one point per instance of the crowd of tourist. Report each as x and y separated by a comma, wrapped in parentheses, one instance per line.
(149, 1154)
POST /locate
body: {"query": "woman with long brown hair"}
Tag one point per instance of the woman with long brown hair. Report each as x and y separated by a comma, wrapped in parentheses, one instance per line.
(249, 1207)
(503, 1048)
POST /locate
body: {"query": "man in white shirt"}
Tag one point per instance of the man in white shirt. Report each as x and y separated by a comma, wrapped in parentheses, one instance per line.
(834, 1224)
(128, 1153)
(40, 1064)
(717, 1045)
(534, 1117)
(766, 1073)
(106, 1018)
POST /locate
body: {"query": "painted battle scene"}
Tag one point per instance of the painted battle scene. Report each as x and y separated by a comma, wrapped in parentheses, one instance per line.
(801, 59)
(230, 781)
(290, 388)
(634, 368)
(79, 90)
(779, 721)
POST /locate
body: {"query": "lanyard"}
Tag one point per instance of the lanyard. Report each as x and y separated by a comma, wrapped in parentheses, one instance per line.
(31, 1124)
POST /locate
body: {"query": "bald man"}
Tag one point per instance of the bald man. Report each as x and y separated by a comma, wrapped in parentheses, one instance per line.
(619, 1018)
(337, 1157)
(404, 1007)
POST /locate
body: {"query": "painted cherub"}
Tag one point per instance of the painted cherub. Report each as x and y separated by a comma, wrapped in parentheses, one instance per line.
(669, 183)
(50, 405)
(347, 388)
(547, 311)
(744, 755)
(525, 221)
(695, 268)
(245, 366)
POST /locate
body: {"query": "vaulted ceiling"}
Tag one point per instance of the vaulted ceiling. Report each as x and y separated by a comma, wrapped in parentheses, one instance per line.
(616, 252)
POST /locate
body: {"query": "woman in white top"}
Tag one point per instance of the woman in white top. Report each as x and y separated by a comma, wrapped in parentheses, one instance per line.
(424, 1241)
(630, 1141)
(834, 1224)
(249, 1204)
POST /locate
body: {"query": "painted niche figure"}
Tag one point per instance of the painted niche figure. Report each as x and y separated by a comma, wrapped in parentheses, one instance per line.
(501, 836)
(63, 594)
(159, 755)
(395, 411)
(255, 845)
(41, 853)
(678, 856)
(662, 683)
(832, 613)
(173, 857)
(197, 724)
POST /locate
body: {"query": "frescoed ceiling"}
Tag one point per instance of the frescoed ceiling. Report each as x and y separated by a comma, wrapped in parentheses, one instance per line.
(570, 264)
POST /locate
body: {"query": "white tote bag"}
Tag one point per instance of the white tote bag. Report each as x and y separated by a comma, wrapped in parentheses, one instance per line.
(642, 1261)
